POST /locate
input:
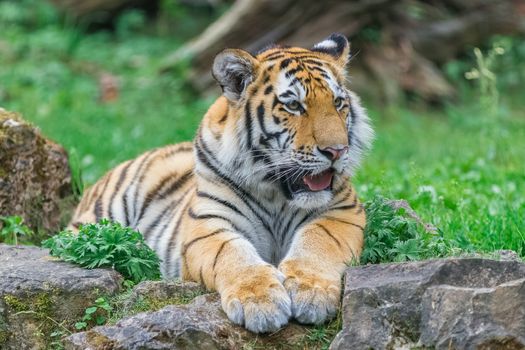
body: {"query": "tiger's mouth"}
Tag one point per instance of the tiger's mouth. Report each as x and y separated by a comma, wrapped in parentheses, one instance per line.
(309, 183)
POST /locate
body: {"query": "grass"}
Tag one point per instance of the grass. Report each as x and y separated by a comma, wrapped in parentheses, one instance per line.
(460, 170)
(461, 167)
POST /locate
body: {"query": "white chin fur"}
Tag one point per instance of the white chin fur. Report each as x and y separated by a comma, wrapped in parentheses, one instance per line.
(311, 200)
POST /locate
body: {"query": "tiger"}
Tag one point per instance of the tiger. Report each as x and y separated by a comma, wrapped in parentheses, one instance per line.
(259, 207)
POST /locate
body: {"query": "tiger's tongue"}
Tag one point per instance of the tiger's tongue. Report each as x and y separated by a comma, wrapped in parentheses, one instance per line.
(319, 182)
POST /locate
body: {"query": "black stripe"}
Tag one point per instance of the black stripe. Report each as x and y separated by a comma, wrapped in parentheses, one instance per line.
(170, 209)
(195, 240)
(159, 218)
(173, 236)
(248, 125)
(286, 94)
(175, 186)
(133, 180)
(294, 81)
(329, 234)
(268, 90)
(123, 174)
(98, 202)
(223, 119)
(196, 216)
(220, 251)
(274, 56)
(343, 222)
(168, 154)
(201, 278)
(220, 201)
(181, 181)
(285, 63)
(242, 194)
(313, 62)
(305, 219)
(344, 207)
(345, 198)
(148, 198)
(292, 71)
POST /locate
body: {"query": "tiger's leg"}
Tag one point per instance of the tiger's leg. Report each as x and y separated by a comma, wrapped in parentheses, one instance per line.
(317, 258)
(251, 290)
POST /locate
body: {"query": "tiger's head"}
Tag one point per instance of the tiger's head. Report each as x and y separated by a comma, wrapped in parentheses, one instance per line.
(291, 121)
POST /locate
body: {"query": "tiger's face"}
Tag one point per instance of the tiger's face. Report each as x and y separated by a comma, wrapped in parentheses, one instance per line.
(304, 130)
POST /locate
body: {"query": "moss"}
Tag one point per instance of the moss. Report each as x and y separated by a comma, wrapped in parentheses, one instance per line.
(99, 341)
(122, 307)
(4, 332)
(38, 310)
(154, 304)
(39, 304)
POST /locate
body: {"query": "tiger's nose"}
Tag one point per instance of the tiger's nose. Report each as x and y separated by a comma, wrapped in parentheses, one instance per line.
(333, 153)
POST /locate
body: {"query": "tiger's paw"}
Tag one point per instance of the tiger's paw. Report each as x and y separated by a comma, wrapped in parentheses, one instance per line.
(315, 296)
(257, 299)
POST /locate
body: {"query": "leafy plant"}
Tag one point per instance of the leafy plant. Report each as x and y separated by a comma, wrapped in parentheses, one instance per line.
(392, 236)
(96, 314)
(13, 227)
(107, 244)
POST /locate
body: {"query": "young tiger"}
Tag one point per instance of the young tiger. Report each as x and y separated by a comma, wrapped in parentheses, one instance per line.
(259, 207)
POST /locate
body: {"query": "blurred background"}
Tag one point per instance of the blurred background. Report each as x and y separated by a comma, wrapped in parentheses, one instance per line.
(442, 80)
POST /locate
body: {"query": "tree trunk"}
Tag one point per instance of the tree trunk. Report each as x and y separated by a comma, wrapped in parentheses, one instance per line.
(398, 45)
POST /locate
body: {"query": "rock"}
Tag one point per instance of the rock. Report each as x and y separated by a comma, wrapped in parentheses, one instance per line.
(442, 304)
(474, 318)
(157, 294)
(39, 295)
(35, 179)
(200, 324)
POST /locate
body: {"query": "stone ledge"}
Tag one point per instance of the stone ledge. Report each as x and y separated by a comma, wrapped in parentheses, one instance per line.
(37, 293)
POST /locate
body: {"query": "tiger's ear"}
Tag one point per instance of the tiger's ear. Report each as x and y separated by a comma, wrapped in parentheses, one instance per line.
(337, 46)
(234, 70)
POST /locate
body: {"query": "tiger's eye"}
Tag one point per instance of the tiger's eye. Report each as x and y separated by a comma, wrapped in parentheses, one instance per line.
(293, 105)
(338, 102)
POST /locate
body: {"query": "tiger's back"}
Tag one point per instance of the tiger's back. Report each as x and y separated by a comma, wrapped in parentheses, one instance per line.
(147, 193)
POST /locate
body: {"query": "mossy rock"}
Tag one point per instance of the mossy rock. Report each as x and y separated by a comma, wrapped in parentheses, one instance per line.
(35, 178)
(40, 296)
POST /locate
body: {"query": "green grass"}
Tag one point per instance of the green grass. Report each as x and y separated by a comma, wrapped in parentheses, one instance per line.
(49, 72)
(461, 167)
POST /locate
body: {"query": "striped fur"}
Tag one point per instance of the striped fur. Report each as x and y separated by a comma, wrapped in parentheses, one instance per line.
(234, 210)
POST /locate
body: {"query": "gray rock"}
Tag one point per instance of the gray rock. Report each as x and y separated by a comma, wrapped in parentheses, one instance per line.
(200, 324)
(39, 295)
(474, 318)
(432, 303)
(35, 179)
(163, 293)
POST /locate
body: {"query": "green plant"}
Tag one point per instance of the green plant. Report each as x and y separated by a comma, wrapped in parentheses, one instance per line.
(13, 227)
(483, 72)
(107, 244)
(76, 174)
(393, 236)
(96, 314)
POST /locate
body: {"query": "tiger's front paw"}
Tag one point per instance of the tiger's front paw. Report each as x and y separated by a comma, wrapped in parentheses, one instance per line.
(257, 299)
(315, 295)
